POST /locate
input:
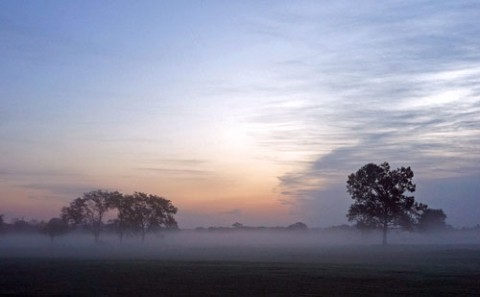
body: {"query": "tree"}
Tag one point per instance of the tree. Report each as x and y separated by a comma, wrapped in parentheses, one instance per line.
(149, 212)
(432, 220)
(23, 226)
(55, 227)
(89, 210)
(380, 200)
(237, 225)
(298, 226)
(1, 223)
(125, 221)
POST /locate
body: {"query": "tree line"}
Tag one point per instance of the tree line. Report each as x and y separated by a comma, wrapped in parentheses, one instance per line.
(129, 214)
(382, 200)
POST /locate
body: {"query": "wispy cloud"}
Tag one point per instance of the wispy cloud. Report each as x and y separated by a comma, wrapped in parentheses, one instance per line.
(181, 162)
(178, 172)
(59, 188)
(233, 212)
(395, 82)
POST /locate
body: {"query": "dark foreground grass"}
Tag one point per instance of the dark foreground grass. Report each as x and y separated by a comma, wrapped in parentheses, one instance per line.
(444, 272)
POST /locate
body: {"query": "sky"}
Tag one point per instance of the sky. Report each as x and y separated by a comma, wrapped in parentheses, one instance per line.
(238, 111)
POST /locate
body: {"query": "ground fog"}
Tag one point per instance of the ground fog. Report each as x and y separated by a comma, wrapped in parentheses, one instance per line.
(254, 246)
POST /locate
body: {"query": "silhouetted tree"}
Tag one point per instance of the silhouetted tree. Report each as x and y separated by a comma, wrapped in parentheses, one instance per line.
(298, 226)
(432, 220)
(149, 212)
(1, 223)
(89, 210)
(55, 227)
(23, 226)
(19, 225)
(237, 225)
(380, 200)
(125, 221)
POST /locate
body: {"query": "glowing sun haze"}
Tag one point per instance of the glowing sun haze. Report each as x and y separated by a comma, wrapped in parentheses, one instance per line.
(248, 111)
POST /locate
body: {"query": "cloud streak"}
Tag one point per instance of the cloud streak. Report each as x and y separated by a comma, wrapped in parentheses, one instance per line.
(179, 172)
(395, 82)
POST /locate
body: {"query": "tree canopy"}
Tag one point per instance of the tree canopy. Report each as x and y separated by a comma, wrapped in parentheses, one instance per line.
(380, 197)
(89, 210)
(141, 213)
(138, 213)
(432, 220)
(55, 227)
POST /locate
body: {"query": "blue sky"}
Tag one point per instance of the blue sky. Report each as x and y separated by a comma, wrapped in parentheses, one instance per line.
(250, 111)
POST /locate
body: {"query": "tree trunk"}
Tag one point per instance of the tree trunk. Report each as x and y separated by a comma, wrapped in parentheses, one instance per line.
(96, 234)
(385, 230)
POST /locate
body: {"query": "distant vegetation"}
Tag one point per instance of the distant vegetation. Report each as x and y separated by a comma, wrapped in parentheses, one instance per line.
(55, 227)
(298, 226)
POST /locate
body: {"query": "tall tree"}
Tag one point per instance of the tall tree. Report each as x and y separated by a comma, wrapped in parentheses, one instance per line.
(90, 209)
(379, 197)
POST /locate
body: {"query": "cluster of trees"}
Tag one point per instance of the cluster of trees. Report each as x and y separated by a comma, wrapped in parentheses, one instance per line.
(136, 214)
(52, 228)
(382, 201)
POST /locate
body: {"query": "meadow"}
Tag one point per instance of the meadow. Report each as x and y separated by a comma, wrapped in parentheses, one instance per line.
(227, 268)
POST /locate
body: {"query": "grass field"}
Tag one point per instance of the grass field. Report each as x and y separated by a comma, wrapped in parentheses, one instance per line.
(409, 270)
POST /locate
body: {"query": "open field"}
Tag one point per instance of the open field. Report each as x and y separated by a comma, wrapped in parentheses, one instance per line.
(68, 277)
(329, 270)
